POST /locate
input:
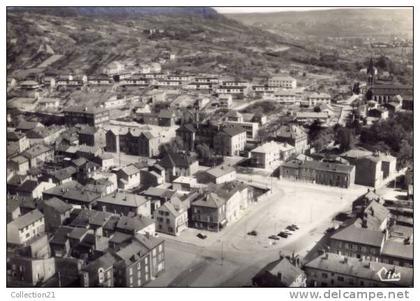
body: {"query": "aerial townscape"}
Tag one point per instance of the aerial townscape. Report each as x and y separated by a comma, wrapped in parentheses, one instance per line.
(188, 147)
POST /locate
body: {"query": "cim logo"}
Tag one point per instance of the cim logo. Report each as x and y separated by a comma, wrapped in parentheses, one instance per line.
(390, 275)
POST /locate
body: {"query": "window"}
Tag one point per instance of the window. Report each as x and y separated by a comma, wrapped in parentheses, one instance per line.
(139, 282)
(130, 271)
(131, 280)
(324, 275)
(146, 260)
(340, 278)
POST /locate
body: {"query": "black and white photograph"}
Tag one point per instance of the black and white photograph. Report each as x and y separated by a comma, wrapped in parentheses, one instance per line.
(209, 147)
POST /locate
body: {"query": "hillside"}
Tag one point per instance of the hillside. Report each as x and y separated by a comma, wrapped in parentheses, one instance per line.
(334, 22)
(90, 38)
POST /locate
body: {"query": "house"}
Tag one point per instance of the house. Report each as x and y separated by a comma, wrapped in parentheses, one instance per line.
(73, 193)
(324, 173)
(37, 154)
(269, 154)
(209, 213)
(29, 85)
(20, 138)
(157, 196)
(93, 116)
(335, 270)
(171, 217)
(369, 171)
(56, 212)
(178, 164)
(44, 135)
(217, 175)
(19, 164)
(282, 81)
(92, 136)
(25, 227)
(315, 99)
(309, 117)
(24, 126)
(100, 272)
(166, 118)
(388, 165)
(33, 188)
(124, 204)
(25, 271)
(132, 141)
(48, 103)
(139, 262)
(251, 128)
(283, 272)
(293, 135)
(230, 141)
(225, 101)
(384, 93)
(128, 177)
(284, 96)
(359, 242)
(187, 132)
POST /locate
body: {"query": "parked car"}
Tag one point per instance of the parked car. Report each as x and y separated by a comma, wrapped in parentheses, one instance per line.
(330, 230)
(283, 234)
(201, 236)
(273, 237)
(253, 233)
(291, 228)
(294, 226)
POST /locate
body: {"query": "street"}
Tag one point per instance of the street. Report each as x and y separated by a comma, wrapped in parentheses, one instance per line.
(232, 258)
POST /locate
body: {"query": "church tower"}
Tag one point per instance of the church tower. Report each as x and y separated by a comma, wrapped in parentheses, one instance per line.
(371, 73)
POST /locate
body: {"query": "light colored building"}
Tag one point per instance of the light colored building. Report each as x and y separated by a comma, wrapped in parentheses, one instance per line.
(230, 141)
(217, 175)
(25, 227)
(171, 217)
(333, 270)
(128, 177)
(283, 81)
(319, 98)
(269, 154)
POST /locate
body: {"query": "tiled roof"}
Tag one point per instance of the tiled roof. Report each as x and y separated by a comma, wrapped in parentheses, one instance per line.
(360, 236)
(27, 219)
(361, 269)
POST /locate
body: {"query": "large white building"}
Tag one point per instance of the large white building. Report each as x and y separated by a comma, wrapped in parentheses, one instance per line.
(283, 81)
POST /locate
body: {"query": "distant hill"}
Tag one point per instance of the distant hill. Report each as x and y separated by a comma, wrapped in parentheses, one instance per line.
(89, 38)
(334, 22)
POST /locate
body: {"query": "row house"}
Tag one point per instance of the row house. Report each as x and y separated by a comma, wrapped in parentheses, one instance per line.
(172, 217)
(315, 99)
(124, 203)
(93, 116)
(230, 141)
(283, 81)
(25, 227)
(324, 173)
(335, 270)
(132, 141)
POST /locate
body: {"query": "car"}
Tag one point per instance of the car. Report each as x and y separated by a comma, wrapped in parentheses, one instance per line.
(253, 233)
(283, 234)
(201, 236)
(294, 226)
(330, 230)
(288, 232)
(273, 237)
(290, 228)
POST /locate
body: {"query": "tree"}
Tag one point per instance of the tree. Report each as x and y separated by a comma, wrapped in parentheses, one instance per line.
(345, 138)
(204, 151)
(356, 88)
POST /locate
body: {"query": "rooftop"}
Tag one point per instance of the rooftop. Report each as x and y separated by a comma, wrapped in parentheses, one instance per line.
(360, 236)
(360, 269)
(26, 219)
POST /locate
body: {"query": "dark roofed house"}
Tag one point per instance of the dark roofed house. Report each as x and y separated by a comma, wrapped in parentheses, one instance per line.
(56, 212)
(283, 272)
(208, 212)
(178, 164)
(124, 203)
(324, 173)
